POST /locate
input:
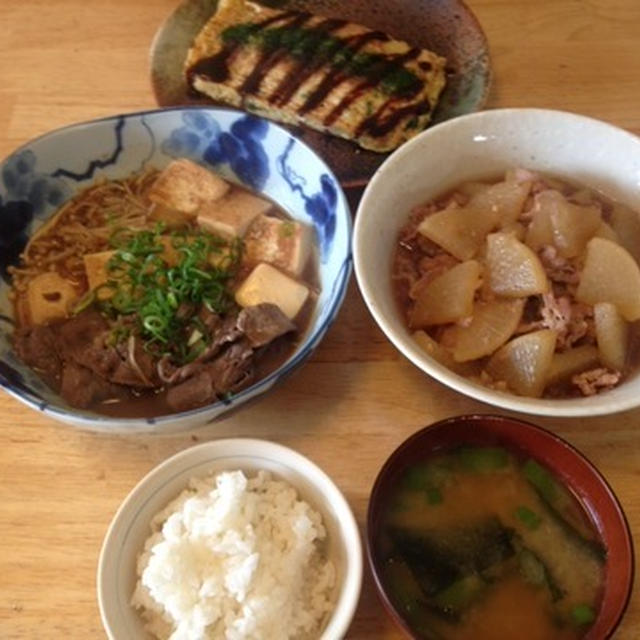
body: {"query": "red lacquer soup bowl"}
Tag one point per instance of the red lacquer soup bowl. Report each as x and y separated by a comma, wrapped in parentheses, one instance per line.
(568, 466)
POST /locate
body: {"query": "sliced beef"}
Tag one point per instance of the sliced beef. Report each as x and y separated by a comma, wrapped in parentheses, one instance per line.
(253, 327)
(85, 340)
(230, 371)
(233, 369)
(226, 331)
(136, 367)
(79, 332)
(194, 392)
(79, 359)
(36, 347)
(81, 388)
(263, 323)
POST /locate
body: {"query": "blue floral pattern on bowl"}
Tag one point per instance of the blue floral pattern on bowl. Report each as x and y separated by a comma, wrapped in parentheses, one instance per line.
(45, 173)
(241, 148)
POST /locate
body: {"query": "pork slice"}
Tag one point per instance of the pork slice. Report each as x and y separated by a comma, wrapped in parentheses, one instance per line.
(593, 381)
(572, 321)
(263, 323)
(558, 268)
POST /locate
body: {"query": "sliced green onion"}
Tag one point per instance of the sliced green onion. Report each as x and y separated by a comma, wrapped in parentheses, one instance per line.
(150, 291)
(529, 518)
(582, 615)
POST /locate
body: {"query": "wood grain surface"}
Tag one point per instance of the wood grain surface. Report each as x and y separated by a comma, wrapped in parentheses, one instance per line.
(65, 61)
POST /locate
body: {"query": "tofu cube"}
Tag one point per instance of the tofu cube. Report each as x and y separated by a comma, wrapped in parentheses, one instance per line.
(95, 266)
(50, 297)
(171, 218)
(285, 244)
(267, 284)
(185, 186)
(230, 216)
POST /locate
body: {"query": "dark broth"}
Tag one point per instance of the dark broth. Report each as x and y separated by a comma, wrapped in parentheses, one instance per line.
(477, 543)
(151, 402)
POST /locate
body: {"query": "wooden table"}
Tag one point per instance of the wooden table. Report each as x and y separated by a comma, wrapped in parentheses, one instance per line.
(357, 398)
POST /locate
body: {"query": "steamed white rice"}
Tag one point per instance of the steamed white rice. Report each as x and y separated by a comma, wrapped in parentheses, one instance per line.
(235, 558)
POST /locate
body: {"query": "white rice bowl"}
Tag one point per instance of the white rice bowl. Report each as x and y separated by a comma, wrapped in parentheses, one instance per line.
(235, 557)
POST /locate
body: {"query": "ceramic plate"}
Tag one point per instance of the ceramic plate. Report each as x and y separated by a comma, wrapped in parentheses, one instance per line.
(445, 26)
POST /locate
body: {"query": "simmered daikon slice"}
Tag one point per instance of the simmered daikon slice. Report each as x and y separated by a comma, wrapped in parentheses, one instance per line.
(612, 334)
(504, 198)
(607, 232)
(448, 297)
(540, 229)
(460, 231)
(516, 229)
(442, 355)
(471, 188)
(524, 362)
(610, 274)
(433, 348)
(514, 270)
(492, 324)
(583, 197)
(626, 223)
(555, 220)
(573, 225)
(570, 362)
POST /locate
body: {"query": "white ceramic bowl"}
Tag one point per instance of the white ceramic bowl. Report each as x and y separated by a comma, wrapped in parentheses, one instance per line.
(37, 178)
(483, 145)
(131, 525)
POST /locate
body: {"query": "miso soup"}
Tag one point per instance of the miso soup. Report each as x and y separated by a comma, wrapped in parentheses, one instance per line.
(477, 543)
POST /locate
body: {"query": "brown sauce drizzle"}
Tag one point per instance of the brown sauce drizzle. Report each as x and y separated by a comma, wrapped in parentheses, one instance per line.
(216, 69)
(377, 126)
(361, 87)
(267, 62)
(303, 70)
(336, 76)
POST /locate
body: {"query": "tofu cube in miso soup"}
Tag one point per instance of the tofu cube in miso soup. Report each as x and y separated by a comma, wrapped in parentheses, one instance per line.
(267, 284)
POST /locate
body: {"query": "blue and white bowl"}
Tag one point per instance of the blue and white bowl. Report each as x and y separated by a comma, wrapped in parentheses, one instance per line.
(40, 176)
